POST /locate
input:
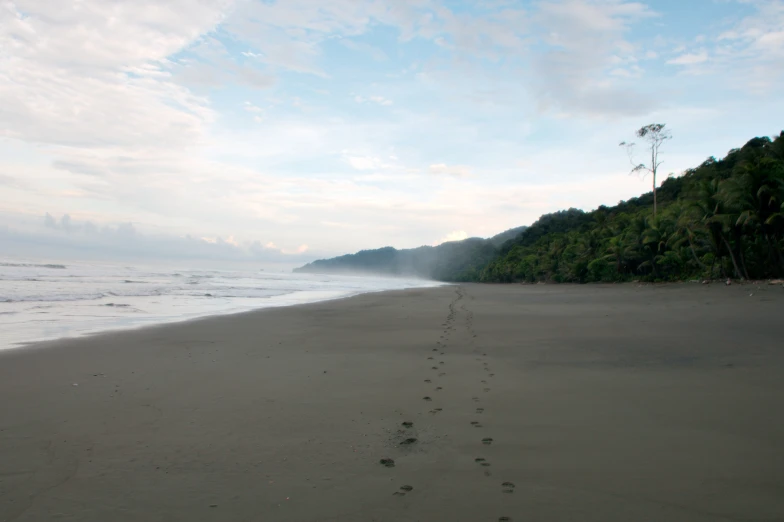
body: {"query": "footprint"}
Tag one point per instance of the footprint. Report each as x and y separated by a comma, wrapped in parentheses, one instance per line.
(442, 374)
(474, 423)
(428, 380)
(479, 459)
(434, 367)
(492, 375)
(435, 349)
(508, 487)
(475, 399)
(407, 488)
(388, 463)
(480, 410)
(487, 389)
(504, 519)
(408, 424)
(427, 398)
(429, 358)
(484, 382)
(408, 442)
(487, 441)
(440, 362)
(439, 388)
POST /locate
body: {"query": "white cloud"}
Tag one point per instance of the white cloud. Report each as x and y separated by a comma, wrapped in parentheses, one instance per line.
(53, 236)
(364, 162)
(374, 52)
(375, 99)
(753, 48)
(458, 171)
(586, 40)
(690, 58)
(456, 235)
(248, 106)
(66, 70)
(380, 100)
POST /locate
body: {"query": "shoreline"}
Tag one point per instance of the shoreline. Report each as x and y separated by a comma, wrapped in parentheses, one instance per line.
(546, 402)
(157, 322)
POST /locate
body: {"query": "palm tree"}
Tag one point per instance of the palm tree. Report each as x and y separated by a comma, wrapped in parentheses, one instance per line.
(620, 251)
(685, 231)
(754, 195)
(654, 238)
(711, 212)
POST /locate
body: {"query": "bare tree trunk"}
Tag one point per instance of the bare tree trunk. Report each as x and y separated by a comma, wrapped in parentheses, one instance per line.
(654, 195)
(743, 262)
(693, 253)
(775, 251)
(732, 256)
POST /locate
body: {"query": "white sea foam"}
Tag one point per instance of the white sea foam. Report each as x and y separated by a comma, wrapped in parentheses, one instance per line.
(49, 300)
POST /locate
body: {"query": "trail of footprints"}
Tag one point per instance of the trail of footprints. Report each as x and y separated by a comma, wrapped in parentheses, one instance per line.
(441, 345)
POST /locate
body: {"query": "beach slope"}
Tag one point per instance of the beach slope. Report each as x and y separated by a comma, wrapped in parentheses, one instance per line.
(534, 403)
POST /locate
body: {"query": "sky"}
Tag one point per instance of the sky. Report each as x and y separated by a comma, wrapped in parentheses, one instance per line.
(284, 131)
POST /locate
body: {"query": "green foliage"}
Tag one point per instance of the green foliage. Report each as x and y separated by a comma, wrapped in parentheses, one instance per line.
(722, 219)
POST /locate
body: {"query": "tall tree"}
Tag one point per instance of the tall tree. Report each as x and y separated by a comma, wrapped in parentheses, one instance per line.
(654, 135)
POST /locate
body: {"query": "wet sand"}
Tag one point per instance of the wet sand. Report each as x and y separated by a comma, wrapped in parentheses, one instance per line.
(535, 403)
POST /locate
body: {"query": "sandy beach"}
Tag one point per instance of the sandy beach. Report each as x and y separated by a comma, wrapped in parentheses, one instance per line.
(525, 403)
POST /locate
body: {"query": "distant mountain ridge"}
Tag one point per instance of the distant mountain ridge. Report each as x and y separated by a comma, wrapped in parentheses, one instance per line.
(450, 261)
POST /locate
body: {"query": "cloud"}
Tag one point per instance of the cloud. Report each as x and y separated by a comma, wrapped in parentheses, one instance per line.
(456, 235)
(754, 48)
(65, 235)
(364, 162)
(690, 58)
(207, 63)
(67, 70)
(457, 171)
(299, 250)
(370, 50)
(585, 41)
(375, 99)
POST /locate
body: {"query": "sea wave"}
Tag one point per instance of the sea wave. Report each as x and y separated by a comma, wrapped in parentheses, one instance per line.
(128, 291)
(33, 265)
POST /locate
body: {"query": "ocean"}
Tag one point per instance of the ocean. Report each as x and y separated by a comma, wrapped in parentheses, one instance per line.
(50, 300)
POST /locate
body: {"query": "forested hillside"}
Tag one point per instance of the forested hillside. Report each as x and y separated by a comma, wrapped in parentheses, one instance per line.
(722, 219)
(446, 262)
(451, 261)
